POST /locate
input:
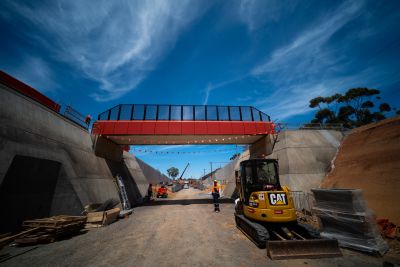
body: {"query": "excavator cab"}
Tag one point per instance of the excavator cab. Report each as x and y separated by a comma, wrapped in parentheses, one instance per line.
(261, 195)
(258, 175)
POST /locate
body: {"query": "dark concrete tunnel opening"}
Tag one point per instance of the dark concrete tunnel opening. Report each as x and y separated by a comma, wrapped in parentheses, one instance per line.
(27, 191)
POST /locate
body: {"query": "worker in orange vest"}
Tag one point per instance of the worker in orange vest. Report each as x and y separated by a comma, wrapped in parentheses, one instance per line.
(215, 193)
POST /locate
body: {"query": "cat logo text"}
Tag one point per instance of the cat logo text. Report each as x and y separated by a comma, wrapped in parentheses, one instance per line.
(277, 199)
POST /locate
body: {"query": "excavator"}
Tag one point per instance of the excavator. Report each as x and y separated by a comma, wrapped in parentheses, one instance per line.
(265, 213)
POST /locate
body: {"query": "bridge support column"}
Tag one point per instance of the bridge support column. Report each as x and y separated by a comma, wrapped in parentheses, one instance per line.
(106, 148)
(262, 147)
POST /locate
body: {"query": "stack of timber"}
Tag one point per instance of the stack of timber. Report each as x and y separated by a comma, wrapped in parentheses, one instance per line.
(101, 218)
(344, 215)
(46, 230)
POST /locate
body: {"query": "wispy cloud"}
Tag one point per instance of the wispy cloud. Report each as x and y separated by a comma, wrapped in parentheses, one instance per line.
(309, 46)
(255, 13)
(307, 67)
(35, 72)
(174, 147)
(211, 87)
(116, 43)
(294, 100)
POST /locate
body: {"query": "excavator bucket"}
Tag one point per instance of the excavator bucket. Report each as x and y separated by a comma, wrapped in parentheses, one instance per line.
(301, 249)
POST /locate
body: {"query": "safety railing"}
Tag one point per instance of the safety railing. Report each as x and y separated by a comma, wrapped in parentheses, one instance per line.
(76, 117)
(28, 91)
(281, 126)
(183, 113)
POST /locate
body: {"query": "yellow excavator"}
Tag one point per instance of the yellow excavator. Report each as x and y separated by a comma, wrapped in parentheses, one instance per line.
(265, 213)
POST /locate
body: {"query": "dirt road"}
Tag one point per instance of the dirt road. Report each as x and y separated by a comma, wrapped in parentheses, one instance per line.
(168, 235)
(190, 193)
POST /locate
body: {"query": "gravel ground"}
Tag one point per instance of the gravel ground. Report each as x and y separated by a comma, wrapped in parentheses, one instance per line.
(168, 235)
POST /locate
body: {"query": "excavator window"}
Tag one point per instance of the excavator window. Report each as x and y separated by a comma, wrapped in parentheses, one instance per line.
(247, 179)
(266, 173)
(249, 174)
(257, 175)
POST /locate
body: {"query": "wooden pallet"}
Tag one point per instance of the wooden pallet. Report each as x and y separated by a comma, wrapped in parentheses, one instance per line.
(55, 221)
(50, 229)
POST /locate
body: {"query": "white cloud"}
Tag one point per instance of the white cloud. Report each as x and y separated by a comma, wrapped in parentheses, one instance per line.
(255, 13)
(35, 72)
(162, 148)
(211, 87)
(306, 67)
(306, 54)
(294, 100)
(116, 43)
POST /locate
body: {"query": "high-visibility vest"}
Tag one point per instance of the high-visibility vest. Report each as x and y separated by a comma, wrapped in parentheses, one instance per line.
(216, 189)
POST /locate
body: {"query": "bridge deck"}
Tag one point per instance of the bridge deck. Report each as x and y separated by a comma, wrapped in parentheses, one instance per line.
(179, 124)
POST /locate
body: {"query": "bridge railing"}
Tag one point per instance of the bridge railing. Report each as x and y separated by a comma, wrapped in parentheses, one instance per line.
(308, 126)
(76, 117)
(28, 91)
(183, 113)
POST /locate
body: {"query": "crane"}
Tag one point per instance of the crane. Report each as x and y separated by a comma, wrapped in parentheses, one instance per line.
(187, 165)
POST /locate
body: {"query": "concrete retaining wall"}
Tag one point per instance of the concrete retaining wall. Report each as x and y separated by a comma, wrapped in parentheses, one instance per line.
(304, 158)
(227, 173)
(29, 129)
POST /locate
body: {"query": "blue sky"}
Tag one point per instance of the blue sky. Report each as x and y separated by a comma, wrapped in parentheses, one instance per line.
(271, 54)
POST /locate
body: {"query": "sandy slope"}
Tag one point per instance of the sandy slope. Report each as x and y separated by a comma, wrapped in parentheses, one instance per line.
(369, 158)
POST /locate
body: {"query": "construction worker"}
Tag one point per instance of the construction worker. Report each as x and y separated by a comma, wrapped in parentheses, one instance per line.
(150, 192)
(88, 118)
(215, 193)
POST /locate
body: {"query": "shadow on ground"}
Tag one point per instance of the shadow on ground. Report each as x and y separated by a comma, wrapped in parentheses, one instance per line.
(185, 201)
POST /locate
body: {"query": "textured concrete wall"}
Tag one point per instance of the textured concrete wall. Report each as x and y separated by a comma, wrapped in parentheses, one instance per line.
(227, 173)
(141, 175)
(305, 156)
(107, 149)
(29, 129)
(152, 175)
(262, 147)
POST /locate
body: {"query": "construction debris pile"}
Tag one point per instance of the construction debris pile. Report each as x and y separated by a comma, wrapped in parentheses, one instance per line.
(101, 214)
(102, 218)
(344, 216)
(46, 230)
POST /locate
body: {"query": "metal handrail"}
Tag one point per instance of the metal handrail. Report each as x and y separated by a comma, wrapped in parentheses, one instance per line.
(76, 117)
(282, 126)
(207, 113)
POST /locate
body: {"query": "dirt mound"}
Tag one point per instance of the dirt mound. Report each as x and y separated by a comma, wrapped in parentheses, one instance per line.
(369, 159)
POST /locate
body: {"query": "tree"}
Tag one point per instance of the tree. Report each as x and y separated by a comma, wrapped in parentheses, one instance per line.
(173, 172)
(352, 109)
(384, 107)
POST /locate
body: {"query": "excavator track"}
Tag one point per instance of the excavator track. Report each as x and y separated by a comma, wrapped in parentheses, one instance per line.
(254, 231)
(287, 242)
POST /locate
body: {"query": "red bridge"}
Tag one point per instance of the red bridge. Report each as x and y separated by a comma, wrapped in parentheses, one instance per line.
(183, 124)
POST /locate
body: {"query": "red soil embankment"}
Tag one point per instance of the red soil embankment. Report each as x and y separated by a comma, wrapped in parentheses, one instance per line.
(369, 159)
